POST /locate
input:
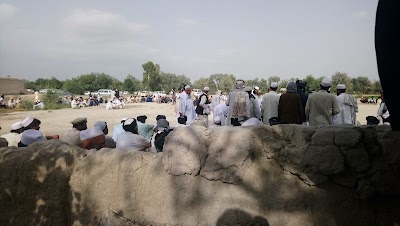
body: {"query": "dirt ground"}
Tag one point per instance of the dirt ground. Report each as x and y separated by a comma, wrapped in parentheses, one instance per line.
(58, 121)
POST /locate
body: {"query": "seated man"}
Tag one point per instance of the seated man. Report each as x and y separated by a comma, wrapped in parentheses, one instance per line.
(144, 129)
(30, 136)
(110, 143)
(92, 139)
(158, 139)
(130, 139)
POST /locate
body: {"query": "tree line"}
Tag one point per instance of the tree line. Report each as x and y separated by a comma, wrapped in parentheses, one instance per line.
(154, 79)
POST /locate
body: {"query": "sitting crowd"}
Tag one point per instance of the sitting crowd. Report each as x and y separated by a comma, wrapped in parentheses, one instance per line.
(130, 133)
(12, 103)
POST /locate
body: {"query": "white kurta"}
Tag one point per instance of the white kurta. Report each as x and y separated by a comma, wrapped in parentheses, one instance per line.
(186, 107)
(221, 110)
(12, 138)
(269, 108)
(348, 109)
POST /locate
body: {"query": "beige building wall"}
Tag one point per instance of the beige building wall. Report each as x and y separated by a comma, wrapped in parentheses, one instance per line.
(11, 85)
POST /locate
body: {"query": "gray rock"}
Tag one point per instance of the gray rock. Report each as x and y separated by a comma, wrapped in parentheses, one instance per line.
(185, 150)
(324, 136)
(3, 142)
(323, 159)
(347, 137)
(356, 158)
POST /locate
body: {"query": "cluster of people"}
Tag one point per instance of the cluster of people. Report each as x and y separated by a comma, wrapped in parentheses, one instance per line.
(291, 106)
(131, 133)
(11, 104)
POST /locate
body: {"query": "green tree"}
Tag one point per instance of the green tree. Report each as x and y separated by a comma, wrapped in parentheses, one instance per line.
(223, 82)
(53, 83)
(151, 76)
(361, 85)
(272, 79)
(341, 78)
(376, 86)
(171, 81)
(313, 84)
(283, 83)
(131, 84)
(201, 83)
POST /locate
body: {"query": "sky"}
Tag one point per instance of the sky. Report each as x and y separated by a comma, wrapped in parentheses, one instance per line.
(250, 39)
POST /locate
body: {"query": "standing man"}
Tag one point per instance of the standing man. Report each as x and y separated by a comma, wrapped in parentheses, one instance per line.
(186, 106)
(269, 108)
(322, 106)
(239, 105)
(173, 96)
(348, 107)
(383, 111)
(203, 107)
(301, 86)
(72, 136)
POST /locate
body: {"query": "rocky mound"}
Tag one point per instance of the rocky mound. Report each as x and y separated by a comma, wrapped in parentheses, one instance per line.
(280, 175)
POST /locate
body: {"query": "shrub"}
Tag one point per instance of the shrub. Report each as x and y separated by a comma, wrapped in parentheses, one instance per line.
(27, 105)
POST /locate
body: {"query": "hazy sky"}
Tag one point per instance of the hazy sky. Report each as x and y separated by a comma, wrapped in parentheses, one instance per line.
(254, 38)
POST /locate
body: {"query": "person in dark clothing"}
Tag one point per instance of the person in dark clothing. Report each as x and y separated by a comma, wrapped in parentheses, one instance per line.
(387, 47)
(290, 108)
(301, 86)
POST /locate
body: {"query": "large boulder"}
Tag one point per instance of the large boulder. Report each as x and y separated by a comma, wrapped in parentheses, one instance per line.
(34, 180)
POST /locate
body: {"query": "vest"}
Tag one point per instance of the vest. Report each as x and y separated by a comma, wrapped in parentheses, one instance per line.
(200, 109)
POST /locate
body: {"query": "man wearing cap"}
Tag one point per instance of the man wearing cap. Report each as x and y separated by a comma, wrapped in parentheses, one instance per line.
(30, 136)
(110, 143)
(254, 109)
(145, 130)
(383, 111)
(203, 107)
(269, 108)
(221, 111)
(186, 106)
(34, 123)
(72, 136)
(239, 104)
(118, 130)
(93, 138)
(130, 139)
(15, 134)
(348, 107)
(322, 106)
(158, 140)
(301, 85)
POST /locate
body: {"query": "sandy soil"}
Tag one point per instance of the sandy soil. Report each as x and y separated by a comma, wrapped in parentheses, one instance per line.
(58, 121)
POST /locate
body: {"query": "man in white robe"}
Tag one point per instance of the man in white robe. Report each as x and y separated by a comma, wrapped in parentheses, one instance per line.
(348, 107)
(186, 106)
(221, 111)
(270, 102)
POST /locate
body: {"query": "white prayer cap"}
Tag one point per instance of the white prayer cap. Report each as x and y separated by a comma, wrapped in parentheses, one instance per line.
(91, 133)
(252, 122)
(341, 86)
(187, 87)
(274, 85)
(326, 82)
(217, 119)
(27, 121)
(101, 124)
(283, 90)
(206, 88)
(256, 88)
(16, 126)
(31, 136)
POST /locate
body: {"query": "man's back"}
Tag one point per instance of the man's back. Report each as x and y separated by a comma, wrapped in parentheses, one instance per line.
(348, 108)
(320, 108)
(72, 137)
(269, 108)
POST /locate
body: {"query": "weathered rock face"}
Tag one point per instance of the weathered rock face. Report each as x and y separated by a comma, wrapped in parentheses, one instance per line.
(280, 175)
(34, 186)
(3, 142)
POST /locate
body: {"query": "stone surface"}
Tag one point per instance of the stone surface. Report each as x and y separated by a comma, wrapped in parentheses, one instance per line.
(3, 142)
(225, 176)
(324, 136)
(34, 186)
(185, 150)
(347, 137)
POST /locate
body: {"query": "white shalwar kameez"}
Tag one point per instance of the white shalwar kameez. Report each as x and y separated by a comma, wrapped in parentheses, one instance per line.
(348, 109)
(186, 107)
(221, 110)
